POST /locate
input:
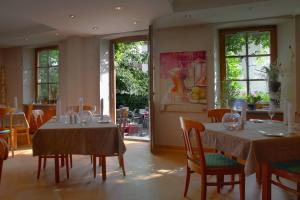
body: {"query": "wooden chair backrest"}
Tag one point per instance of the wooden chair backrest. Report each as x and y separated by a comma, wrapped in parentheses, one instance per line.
(28, 112)
(3, 112)
(216, 115)
(122, 120)
(193, 145)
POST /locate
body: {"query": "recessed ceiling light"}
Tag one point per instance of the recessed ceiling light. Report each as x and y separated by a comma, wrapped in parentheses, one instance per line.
(95, 28)
(26, 39)
(135, 22)
(57, 34)
(72, 16)
(118, 8)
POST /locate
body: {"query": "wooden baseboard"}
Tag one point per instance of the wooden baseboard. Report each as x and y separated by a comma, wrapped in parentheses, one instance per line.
(169, 148)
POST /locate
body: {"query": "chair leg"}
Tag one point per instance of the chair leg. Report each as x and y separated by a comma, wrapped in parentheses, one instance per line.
(94, 165)
(11, 145)
(220, 179)
(62, 160)
(28, 137)
(203, 187)
(232, 179)
(1, 165)
(67, 164)
(121, 163)
(242, 186)
(45, 162)
(71, 160)
(187, 180)
(39, 166)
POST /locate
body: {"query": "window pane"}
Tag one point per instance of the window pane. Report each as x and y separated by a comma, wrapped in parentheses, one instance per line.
(53, 74)
(43, 58)
(242, 88)
(236, 68)
(53, 56)
(256, 65)
(43, 91)
(42, 74)
(258, 87)
(53, 91)
(259, 43)
(235, 44)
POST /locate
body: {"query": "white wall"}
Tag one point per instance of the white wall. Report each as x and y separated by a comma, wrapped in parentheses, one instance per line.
(167, 129)
(14, 75)
(104, 74)
(297, 61)
(79, 71)
(28, 75)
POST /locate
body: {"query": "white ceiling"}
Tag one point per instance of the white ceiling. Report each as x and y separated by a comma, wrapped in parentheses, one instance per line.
(31, 22)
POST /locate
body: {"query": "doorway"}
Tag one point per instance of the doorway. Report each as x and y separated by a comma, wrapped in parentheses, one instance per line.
(130, 85)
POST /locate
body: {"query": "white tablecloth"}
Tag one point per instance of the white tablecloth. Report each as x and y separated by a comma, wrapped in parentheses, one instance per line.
(241, 143)
(86, 139)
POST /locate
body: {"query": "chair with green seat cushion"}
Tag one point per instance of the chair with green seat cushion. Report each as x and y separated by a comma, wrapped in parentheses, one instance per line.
(289, 170)
(207, 164)
(219, 160)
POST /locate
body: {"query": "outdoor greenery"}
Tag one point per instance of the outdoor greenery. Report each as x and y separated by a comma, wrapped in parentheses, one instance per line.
(235, 50)
(131, 80)
(47, 75)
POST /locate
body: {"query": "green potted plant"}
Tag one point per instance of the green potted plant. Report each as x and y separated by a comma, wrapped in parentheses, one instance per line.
(252, 99)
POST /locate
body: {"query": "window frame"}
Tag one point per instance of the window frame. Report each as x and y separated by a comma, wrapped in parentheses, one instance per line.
(37, 50)
(223, 32)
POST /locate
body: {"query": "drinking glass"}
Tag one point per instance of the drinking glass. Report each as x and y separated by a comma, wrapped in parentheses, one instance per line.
(93, 110)
(271, 110)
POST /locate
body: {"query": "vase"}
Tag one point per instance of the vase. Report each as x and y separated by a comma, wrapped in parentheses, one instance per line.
(274, 92)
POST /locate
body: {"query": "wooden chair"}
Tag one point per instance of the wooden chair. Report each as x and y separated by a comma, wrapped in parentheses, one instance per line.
(21, 130)
(121, 122)
(289, 170)
(7, 132)
(63, 158)
(216, 115)
(207, 164)
(3, 154)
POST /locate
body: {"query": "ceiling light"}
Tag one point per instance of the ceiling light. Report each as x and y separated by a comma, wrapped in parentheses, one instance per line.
(57, 34)
(118, 8)
(95, 28)
(26, 39)
(135, 22)
(72, 16)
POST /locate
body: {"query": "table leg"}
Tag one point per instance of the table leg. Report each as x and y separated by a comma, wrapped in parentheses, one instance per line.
(258, 173)
(103, 163)
(56, 167)
(266, 181)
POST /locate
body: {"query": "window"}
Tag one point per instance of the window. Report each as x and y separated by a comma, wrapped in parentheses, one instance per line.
(244, 53)
(47, 64)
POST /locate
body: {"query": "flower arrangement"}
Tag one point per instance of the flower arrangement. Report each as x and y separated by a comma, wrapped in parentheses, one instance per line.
(273, 72)
(253, 98)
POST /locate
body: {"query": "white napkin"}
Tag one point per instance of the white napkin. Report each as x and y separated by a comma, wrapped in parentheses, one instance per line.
(290, 117)
(58, 109)
(101, 108)
(16, 103)
(80, 104)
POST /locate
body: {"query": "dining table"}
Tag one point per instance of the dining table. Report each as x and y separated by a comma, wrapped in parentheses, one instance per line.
(259, 144)
(93, 137)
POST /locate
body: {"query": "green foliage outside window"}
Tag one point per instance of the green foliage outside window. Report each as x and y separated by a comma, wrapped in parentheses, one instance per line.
(235, 52)
(131, 80)
(47, 75)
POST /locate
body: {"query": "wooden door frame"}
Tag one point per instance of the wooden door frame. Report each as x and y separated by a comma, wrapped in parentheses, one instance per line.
(112, 77)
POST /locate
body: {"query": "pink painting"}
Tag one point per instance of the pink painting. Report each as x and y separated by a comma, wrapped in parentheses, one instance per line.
(183, 81)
